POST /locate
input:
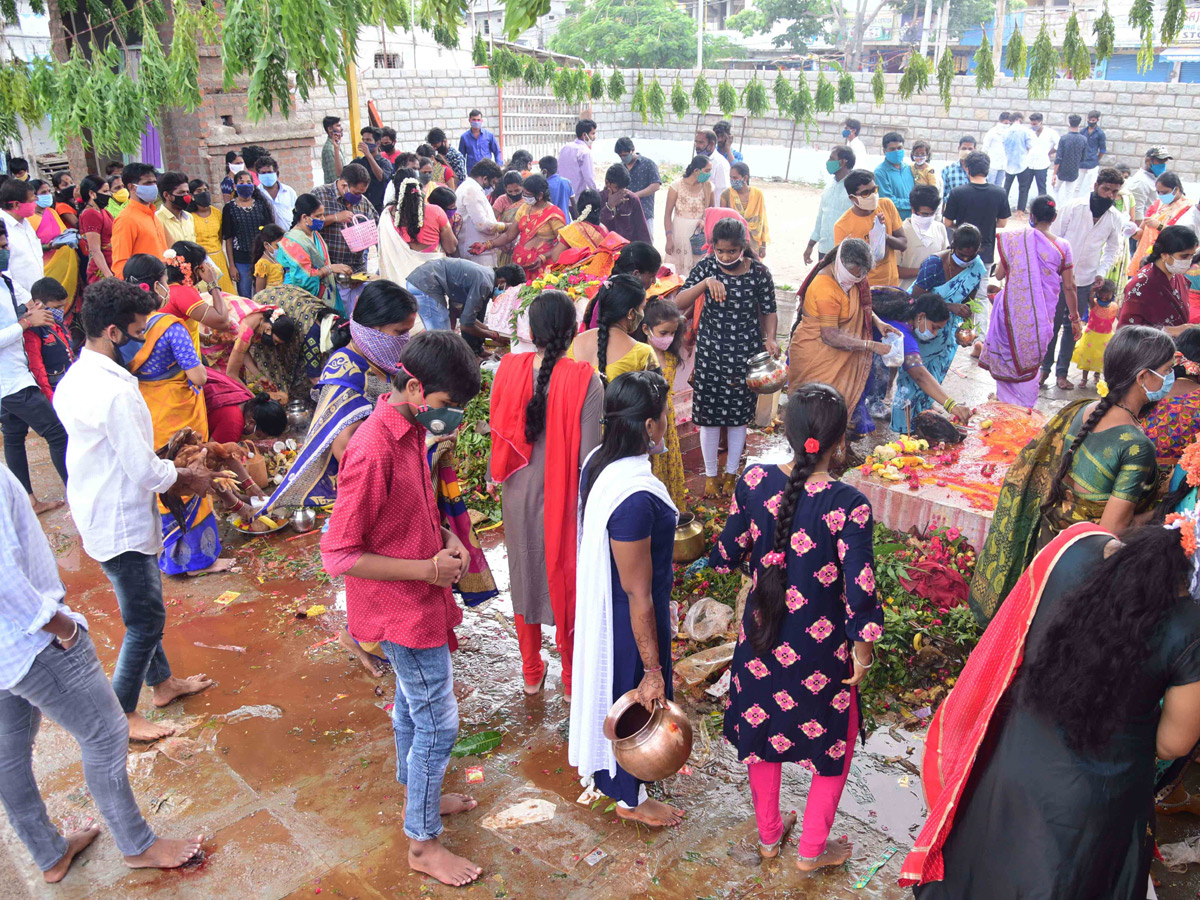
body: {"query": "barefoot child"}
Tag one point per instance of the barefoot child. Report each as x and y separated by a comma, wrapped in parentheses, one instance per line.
(1089, 352)
(808, 632)
(387, 537)
(664, 332)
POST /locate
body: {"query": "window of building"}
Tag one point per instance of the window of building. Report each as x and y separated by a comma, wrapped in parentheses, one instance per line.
(487, 26)
(387, 60)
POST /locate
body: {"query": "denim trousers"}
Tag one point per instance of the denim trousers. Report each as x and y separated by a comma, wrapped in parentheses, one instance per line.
(70, 687)
(244, 275)
(137, 582)
(435, 316)
(425, 722)
(1062, 322)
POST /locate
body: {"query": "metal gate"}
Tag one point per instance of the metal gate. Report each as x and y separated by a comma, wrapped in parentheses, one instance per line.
(533, 119)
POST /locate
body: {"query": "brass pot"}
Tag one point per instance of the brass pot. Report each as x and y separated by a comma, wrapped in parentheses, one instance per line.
(689, 539)
(650, 746)
(965, 335)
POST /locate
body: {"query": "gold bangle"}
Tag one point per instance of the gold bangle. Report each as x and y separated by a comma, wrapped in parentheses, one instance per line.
(436, 572)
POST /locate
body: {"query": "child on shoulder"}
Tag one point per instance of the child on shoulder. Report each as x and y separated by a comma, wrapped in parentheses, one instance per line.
(48, 347)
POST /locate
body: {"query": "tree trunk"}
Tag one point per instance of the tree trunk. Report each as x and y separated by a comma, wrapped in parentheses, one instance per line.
(998, 43)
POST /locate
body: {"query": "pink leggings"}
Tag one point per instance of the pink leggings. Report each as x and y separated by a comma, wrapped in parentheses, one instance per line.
(821, 805)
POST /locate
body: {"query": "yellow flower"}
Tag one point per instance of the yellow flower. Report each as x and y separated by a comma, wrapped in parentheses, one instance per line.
(1102, 388)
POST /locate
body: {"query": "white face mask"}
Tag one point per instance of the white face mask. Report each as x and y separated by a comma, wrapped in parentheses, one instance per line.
(921, 223)
(234, 168)
(867, 204)
(843, 276)
(1178, 266)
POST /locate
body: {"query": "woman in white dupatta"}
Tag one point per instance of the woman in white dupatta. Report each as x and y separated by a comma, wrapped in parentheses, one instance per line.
(623, 587)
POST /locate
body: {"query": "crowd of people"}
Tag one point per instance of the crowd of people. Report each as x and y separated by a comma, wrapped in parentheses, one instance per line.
(139, 312)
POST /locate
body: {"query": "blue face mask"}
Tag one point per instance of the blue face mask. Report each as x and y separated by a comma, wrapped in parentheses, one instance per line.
(318, 224)
(924, 334)
(1166, 198)
(147, 193)
(1168, 381)
(268, 179)
(846, 132)
(895, 157)
(1158, 168)
(44, 201)
(245, 191)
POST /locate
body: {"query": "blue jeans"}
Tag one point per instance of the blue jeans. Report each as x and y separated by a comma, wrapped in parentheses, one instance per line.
(425, 722)
(245, 279)
(435, 315)
(137, 582)
(70, 687)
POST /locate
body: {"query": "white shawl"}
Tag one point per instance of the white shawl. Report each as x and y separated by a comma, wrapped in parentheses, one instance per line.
(592, 681)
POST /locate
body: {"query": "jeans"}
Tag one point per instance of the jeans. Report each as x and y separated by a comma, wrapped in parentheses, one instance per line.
(1062, 322)
(20, 411)
(69, 686)
(425, 722)
(996, 177)
(245, 279)
(1024, 180)
(435, 315)
(137, 582)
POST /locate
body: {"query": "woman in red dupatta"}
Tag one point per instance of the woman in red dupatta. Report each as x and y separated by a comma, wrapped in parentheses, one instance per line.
(1039, 767)
(535, 232)
(545, 418)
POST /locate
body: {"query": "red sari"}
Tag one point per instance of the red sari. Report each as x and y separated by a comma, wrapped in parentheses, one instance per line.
(961, 723)
(532, 249)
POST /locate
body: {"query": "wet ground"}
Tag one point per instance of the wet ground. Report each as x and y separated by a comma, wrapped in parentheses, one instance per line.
(287, 766)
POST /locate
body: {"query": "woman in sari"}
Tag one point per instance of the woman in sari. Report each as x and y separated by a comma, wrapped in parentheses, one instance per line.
(171, 379)
(95, 227)
(585, 241)
(749, 203)
(1173, 422)
(1037, 269)
(1168, 209)
(545, 416)
(60, 261)
(1157, 295)
(623, 589)
(833, 341)
(305, 256)
(534, 234)
(956, 276)
(1091, 463)
(268, 327)
(1039, 766)
(207, 220)
(187, 263)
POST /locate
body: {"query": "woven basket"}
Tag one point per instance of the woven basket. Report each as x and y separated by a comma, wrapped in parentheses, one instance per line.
(361, 235)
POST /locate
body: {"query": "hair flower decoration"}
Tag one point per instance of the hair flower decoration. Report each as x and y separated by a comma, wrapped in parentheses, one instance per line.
(812, 445)
(1190, 460)
(774, 558)
(1186, 524)
(169, 254)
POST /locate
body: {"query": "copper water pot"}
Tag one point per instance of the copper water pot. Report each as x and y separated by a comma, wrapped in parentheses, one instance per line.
(690, 542)
(650, 746)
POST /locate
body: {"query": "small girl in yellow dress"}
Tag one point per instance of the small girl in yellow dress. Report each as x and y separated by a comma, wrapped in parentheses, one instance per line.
(1089, 352)
(663, 331)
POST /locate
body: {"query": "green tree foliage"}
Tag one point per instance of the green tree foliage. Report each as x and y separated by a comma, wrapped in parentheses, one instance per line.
(845, 87)
(680, 104)
(1043, 64)
(702, 94)
(479, 51)
(985, 69)
(782, 89)
(1141, 17)
(826, 96)
(1017, 55)
(805, 21)
(945, 76)
(727, 98)
(964, 14)
(754, 98)
(596, 86)
(616, 86)
(1105, 30)
(1174, 18)
(1075, 56)
(633, 33)
(879, 86)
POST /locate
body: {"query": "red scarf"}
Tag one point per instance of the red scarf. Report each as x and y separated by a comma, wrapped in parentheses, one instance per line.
(960, 724)
(511, 391)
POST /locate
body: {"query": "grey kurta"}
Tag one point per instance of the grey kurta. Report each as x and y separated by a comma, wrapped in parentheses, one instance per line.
(523, 499)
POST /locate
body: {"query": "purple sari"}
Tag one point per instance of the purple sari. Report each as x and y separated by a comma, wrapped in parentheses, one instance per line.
(1022, 323)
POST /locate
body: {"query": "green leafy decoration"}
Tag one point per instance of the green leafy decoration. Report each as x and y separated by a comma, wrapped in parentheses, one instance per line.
(154, 75)
(681, 105)
(916, 76)
(477, 744)
(564, 85)
(596, 86)
(534, 74)
(479, 51)
(803, 107)
(945, 77)
(826, 95)
(879, 86)
(581, 83)
(1075, 56)
(845, 86)
(985, 69)
(702, 94)
(1174, 18)
(754, 98)
(1043, 64)
(783, 94)
(1016, 57)
(616, 86)
(1141, 17)
(656, 101)
(191, 24)
(638, 101)
(1105, 30)
(727, 98)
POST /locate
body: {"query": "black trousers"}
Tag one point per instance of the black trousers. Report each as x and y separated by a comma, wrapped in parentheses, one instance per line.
(28, 408)
(1024, 180)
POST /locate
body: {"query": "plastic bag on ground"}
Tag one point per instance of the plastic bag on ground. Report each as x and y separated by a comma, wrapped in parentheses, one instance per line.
(699, 666)
(706, 619)
(1178, 857)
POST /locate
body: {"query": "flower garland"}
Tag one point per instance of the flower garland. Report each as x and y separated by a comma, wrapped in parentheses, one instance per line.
(173, 259)
(400, 194)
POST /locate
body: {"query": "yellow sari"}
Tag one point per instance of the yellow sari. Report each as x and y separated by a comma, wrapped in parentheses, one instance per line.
(754, 212)
(62, 264)
(208, 236)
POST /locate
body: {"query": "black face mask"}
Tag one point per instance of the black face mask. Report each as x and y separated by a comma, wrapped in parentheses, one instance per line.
(102, 200)
(1100, 205)
(126, 337)
(203, 199)
(67, 196)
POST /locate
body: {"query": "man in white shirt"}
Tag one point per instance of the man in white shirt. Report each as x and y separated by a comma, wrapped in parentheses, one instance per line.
(993, 146)
(1040, 157)
(48, 665)
(850, 132)
(834, 202)
(282, 196)
(24, 248)
(115, 476)
(706, 145)
(1094, 229)
(1143, 183)
(22, 404)
(480, 224)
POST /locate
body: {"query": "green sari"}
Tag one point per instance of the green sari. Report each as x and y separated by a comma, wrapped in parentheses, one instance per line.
(1118, 462)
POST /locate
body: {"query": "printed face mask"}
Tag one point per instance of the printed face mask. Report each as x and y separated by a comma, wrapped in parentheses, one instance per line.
(383, 350)
(737, 184)
(703, 177)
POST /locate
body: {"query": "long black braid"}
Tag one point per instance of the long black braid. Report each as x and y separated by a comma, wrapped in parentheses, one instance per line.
(1132, 350)
(552, 323)
(619, 295)
(814, 411)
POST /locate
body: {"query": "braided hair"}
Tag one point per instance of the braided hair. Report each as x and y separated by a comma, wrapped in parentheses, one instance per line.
(818, 412)
(410, 203)
(619, 295)
(1132, 350)
(552, 323)
(631, 400)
